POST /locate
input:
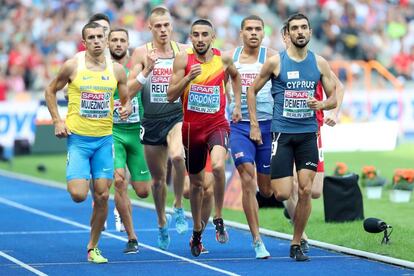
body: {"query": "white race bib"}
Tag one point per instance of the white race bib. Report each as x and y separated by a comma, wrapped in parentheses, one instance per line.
(95, 105)
(133, 118)
(204, 98)
(295, 104)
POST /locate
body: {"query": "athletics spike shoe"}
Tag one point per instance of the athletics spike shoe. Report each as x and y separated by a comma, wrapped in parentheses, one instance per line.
(221, 233)
(181, 224)
(196, 245)
(131, 247)
(204, 250)
(260, 249)
(297, 253)
(119, 226)
(94, 256)
(304, 245)
(163, 236)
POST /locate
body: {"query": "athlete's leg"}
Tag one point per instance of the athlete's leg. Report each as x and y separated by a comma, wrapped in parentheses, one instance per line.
(196, 198)
(208, 191)
(123, 203)
(176, 154)
(78, 189)
(250, 205)
(303, 207)
(218, 157)
(156, 157)
(100, 209)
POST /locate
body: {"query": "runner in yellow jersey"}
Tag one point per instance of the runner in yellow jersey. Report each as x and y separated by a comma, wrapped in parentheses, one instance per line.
(92, 79)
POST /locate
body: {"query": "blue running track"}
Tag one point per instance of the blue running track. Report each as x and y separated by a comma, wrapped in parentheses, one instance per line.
(43, 232)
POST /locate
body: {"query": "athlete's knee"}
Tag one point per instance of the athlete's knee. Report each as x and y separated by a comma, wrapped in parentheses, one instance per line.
(305, 192)
(101, 197)
(158, 181)
(120, 184)
(316, 194)
(282, 195)
(218, 167)
(265, 191)
(177, 159)
(78, 196)
(141, 189)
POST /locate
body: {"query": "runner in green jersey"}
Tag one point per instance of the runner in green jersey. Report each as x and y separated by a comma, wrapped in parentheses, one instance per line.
(128, 149)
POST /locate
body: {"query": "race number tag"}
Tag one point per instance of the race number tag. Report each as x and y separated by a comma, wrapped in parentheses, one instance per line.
(160, 79)
(246, 81)
(204, 98)
(295, 105)
(95, 105)
(133, 118)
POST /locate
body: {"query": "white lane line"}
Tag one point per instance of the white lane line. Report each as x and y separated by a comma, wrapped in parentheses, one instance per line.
(83, 226)
(20, 263)
(179, 261)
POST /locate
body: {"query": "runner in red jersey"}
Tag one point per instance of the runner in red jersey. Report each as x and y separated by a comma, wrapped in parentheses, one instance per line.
(199, 76)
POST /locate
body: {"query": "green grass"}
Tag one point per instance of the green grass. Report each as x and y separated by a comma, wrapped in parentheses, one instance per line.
(399, 215)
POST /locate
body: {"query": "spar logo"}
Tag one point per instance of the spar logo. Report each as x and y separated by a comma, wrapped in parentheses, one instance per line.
(204, 89)
(95, 96)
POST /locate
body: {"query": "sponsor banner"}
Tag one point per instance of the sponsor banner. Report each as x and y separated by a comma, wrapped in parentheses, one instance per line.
(375, 106)
(365, 136)
(17, 121)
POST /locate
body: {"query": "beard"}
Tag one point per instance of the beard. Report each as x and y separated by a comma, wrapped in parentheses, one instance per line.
(300, 45)
(116, 56)
(201, 52)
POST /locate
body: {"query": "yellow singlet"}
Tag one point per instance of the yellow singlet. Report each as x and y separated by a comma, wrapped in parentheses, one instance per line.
(91, 101)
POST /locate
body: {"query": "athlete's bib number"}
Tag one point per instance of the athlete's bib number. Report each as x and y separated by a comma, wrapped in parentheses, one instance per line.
(159, 81)
(295, 104)
(204, 98)
(133, 118)
(95, 105)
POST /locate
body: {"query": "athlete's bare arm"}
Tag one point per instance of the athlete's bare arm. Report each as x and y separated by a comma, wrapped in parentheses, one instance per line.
(328, 84)
(270, 67)
(141, 61)
(63, 77)
(179, 80)
(332, 117)
(233, 73)
(121, 77)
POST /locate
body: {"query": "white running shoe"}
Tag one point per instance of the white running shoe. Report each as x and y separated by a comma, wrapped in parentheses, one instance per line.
(119, 226)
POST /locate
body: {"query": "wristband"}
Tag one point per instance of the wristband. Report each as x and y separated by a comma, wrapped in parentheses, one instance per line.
(141, 79)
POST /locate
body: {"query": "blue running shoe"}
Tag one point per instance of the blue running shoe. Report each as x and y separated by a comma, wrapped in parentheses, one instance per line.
(181, 224)
(163, 236)
(260, 249)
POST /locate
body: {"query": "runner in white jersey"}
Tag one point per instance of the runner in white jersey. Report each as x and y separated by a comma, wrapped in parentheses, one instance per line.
(250, 157)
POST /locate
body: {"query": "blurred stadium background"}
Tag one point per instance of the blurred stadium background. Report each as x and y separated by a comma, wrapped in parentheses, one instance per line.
(369, 44)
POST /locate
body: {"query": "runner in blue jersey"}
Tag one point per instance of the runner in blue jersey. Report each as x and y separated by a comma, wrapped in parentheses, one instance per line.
(294, 74)
(250, 157)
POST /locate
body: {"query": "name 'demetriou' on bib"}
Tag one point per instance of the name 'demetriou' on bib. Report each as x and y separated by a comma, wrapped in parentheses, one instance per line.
(95, 105)
(204, 98)
(295, 104)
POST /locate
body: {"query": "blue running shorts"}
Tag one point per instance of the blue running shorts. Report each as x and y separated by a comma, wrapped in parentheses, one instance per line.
(90, 157)
(245, 150)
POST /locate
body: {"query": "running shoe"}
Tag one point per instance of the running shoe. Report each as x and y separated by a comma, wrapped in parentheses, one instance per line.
(131, 247)
(119, 226)
(196, 245)
(163, 236)
(297, 253)
(94, 256)
(181, 224)
(260, 249)
(221, 233)
(204, 250)
(304, 245)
